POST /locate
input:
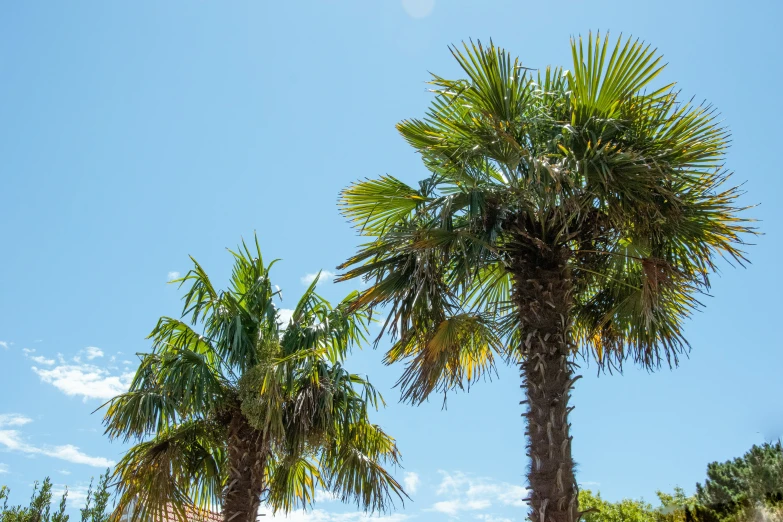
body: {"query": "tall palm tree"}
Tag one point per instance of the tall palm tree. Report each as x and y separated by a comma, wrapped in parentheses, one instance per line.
(565, 211)
(235, 406)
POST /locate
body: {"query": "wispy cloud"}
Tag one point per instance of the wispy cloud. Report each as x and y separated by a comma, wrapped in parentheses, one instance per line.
(73, 454)
(325, 496)
(92, 352)
(40, 359)
(284, 316)
(13, 419)
(3, 468)
(454, 506)
(77, 495)
(85, 380)
(326, 277)
(466, 492)
(4, 344)
(63, 472)
(173, 275)
(319, 515)
(492, 518)
(13, 441)
(411, 482)
(418, 8)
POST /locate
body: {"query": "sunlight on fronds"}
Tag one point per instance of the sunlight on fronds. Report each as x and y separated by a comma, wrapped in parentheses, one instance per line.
(227, 376)
(595, 164)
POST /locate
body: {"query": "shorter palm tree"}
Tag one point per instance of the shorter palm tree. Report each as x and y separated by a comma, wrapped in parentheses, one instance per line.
(248, 408)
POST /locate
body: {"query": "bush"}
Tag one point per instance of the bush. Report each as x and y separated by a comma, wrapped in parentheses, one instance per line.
(40, 508)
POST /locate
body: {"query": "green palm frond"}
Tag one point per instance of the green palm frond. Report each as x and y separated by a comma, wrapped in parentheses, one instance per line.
(478, 117)
(598, 161)
(180, 379)
(202, 296)
(490, 290)
(599, 89)
(138, 414)
(181, 467)
(373, 205)
(354, 468)
(226, 381)
(315, 324)
(293, 482)
(460, 350)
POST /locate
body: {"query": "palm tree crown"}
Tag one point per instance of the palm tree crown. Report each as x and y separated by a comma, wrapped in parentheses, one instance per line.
(249, 408)
(566, 210)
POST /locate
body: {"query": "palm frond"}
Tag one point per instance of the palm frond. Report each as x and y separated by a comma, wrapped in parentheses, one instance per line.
(180, 468)
(373, 205)
(354, 468)
(292, 482)
(460, 350)
(599, 88)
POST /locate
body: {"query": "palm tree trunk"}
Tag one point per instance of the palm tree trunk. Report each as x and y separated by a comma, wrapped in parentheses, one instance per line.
(542, 294)
(246, 460)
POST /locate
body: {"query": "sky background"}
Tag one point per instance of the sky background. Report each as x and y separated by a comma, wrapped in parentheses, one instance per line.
(135, 134)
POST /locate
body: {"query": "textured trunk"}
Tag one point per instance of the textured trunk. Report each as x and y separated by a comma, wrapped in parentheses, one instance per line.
(542, 294)
(246, 460)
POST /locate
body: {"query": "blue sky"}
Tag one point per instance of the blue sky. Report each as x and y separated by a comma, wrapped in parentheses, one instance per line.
(135, 134)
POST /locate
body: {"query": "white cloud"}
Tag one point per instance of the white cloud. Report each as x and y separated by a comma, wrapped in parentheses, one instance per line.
(470, 493)
(452, 507)
(4, 344)
(13, 440)
(319, 515)
(92, 352)
(63, 471)
(284, 316)
(73, 454)
(325, 496)
(411, 482)
(3, 468)
(10, 439)
(85, 380)
(40, 359)
(418, 8)
(77, 495)
(173, 275)
(13, 419)
(492, 518)
(326, 277)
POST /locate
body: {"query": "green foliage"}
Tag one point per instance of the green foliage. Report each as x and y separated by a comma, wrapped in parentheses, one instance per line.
(592, 161)
(37, 511)
(745, 489)
(40, 509)
(611, 187)
(599, 510)
(674, 507)
(230, 356)
(737, 486)
(97, 502)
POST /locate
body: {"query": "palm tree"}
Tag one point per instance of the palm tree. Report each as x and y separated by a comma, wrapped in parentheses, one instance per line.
(234, 406)
(566, 212)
